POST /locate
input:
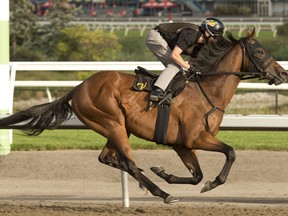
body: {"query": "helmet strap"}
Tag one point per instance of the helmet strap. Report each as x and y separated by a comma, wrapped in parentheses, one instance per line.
(207, 29)
(207, 37)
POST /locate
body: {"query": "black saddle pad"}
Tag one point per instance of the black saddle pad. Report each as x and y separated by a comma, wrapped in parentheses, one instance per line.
(144, 79)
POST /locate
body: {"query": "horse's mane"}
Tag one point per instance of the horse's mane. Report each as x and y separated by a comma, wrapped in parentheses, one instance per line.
(210, 55)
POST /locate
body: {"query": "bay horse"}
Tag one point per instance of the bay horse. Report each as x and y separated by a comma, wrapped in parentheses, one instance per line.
(107, 104)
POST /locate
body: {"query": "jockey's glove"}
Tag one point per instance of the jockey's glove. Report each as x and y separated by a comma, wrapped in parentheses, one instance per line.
(191, 69)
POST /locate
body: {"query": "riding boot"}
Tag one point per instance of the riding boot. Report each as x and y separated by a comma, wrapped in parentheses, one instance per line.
(157, 94)
(161, 84)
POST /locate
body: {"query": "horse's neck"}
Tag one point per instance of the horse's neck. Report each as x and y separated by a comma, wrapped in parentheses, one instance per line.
(222, 88)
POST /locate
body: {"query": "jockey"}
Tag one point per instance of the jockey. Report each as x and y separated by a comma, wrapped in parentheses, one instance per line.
(168, 41)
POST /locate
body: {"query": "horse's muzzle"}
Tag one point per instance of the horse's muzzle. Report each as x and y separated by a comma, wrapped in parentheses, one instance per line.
(278, 78)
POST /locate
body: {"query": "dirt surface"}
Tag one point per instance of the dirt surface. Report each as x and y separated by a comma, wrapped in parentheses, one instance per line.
(74, 183)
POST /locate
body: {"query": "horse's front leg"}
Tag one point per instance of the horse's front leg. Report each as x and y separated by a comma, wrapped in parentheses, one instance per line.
(190, 160)
(208, 142)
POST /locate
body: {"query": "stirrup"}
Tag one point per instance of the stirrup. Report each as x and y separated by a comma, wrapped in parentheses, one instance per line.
(167, 99)
(157, 94)
(155, 98)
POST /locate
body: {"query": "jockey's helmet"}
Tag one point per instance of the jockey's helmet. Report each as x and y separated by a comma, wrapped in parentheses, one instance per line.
(213, 25)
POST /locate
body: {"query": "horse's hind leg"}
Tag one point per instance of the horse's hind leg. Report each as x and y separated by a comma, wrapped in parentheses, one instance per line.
(190, 160)
(106, 118)
(109, 157)
(117, 153)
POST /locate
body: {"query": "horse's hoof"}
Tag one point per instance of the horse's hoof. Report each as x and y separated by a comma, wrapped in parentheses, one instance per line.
(170, 199)
(207, 187)
(157, 169)
(145, 190)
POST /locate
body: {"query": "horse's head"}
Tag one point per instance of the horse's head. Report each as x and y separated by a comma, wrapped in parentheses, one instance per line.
(260, 61)
(257, 62)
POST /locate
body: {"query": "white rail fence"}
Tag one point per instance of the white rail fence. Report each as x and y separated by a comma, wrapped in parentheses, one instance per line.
(142, 25)
(230, 122)
(97, 66)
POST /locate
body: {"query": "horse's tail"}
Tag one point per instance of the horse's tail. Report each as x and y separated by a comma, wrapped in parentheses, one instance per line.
(41, 117)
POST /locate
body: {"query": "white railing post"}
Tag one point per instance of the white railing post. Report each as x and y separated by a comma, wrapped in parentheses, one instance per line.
(4, 71)
(125, 189)
(13, 70)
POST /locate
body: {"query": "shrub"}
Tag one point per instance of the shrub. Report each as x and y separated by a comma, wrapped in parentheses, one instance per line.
(76, 43)
(283, 30)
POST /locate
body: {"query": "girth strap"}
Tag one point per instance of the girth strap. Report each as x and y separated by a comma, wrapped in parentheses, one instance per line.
(162, 122)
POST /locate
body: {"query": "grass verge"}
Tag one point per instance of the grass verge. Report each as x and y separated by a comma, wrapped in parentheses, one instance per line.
(88, 140)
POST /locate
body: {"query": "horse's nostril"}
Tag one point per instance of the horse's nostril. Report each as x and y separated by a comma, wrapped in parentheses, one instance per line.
(284, 74)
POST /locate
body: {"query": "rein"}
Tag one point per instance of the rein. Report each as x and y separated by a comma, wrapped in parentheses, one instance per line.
(260, 73)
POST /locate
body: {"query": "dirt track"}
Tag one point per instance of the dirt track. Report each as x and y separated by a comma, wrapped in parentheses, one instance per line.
(75, 183)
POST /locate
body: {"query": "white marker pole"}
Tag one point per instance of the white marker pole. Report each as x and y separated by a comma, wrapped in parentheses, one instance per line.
(125, 192)
(4, 73)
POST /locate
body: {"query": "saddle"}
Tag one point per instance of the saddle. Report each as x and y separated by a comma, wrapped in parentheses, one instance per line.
(145, 81)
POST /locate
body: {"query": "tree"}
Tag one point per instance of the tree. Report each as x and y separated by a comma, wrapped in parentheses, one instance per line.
(134, 49)
(30, 40)
(22, 24)
(76, 43)
(47, 36)
(283, 30)
(278, 46)
(232, 11)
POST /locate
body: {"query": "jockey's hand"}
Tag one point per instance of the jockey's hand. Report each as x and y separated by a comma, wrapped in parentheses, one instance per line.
(191, 69)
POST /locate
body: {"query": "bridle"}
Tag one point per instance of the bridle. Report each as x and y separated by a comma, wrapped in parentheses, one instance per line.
(259, 61)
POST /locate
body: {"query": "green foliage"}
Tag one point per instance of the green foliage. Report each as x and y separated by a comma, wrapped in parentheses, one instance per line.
(278, 47)
(48, 35)
(134, 49)
(83, 75)
(244, 11)
(283, 30)
(22, 25)
(232, 11)
(24, 54)
(76, 43)
(32, 37)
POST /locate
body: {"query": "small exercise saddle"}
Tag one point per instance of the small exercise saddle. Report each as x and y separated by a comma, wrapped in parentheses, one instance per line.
(145, 81)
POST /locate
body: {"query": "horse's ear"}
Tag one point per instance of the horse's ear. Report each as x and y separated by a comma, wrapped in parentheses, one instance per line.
(250, 34)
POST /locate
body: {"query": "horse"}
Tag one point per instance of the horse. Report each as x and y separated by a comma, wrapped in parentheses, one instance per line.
(107, 104)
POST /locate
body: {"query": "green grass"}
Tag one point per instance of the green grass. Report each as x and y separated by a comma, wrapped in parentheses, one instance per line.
(255, 140)
(68, 139)
(88, 140)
